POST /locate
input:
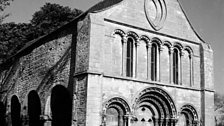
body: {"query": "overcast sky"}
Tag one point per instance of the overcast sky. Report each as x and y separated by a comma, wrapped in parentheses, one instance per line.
(207, 17)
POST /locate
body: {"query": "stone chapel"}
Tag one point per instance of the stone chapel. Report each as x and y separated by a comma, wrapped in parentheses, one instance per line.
(121, 63)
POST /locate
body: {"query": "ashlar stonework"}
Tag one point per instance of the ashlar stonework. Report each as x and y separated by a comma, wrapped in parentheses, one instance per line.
(121, 63)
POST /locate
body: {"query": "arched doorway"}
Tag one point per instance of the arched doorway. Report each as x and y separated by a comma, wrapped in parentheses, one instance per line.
(188, 116)
(15, 111)
(154, 107)
(34, 108)
(2, 114)
(116, 112)
(61, 106)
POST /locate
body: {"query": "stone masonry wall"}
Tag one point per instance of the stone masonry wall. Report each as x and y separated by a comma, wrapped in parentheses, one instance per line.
(40, 70)
(80, 78)
(102, 88)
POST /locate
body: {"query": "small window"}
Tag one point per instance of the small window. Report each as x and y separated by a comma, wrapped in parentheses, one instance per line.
(129, 58)
(154, 62)
(175, 66)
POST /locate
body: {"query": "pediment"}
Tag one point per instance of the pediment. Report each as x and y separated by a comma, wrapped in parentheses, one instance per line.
(162, 16)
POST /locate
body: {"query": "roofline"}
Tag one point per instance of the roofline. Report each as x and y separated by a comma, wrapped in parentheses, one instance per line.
(31, 45)
(200, 38)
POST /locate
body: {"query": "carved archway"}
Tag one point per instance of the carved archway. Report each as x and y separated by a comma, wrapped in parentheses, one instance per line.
(154, 107)
(116, 112)
(189, 113)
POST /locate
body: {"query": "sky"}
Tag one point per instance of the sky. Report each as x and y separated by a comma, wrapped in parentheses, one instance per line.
(206, 16)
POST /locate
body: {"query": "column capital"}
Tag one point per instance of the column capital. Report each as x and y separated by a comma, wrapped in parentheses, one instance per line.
(171, 50)
(182, 53)
(148, 44)
(137, 43)
(161, 48)
(124, 39)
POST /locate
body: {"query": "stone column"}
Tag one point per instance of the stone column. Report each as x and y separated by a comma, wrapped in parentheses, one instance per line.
(149, 45)
(191, 70)
(181, 67)
(167, 121)
(135, 59)
(124, 55)
(127, 120)
(162, 122)
(173, 122)
(155, 121)
(159, 64)
(171, 65)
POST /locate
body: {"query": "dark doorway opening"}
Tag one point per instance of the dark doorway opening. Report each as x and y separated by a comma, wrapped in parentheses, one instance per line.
(61, 106)
(15, 111)
(34, 109)
(2, 114)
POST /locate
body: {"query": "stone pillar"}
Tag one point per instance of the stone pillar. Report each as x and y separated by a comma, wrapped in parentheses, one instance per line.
(171, 65)
(149, 45)
(173, 122)
(155, 121)
(159, 64)
(181, 67)
(135, 59)
(191, 70)
(124, 53)
(162, 122)
(127, 120)
(167, 121)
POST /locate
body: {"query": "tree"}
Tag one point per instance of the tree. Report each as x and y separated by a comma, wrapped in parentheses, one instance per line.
(3, 5)
(219, 109)
(12, 37)
(50, 17)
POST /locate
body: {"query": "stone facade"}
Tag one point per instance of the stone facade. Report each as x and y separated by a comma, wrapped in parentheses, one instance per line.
(132, 63)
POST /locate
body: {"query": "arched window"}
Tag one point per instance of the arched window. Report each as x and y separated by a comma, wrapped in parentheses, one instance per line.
(15, 111)
(114, 117)
(154, 62)
(186, 68)
(129, 58)
(188, 117)
(116, 111)
(175, 66)
(183, 121)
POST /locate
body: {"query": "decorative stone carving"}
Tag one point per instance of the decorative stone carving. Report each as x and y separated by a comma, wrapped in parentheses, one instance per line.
(120, 101)
(156, 12)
